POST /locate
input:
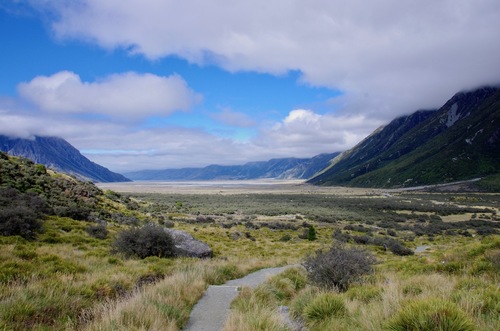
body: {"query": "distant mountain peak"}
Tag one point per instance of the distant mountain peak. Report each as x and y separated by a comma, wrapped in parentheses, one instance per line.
(285, 168)
(57, 154)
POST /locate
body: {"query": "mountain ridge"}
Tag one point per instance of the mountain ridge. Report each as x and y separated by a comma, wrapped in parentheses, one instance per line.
(459, 141)
(57, 154)
(279, 168)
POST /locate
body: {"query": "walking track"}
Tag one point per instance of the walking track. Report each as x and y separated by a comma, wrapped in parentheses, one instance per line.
(211, 312)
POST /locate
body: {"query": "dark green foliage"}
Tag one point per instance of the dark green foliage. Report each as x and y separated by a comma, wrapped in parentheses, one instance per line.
(20, 213)
(322, 208)
(339, 267)
(98, 231)
(398, 248)
(149, 240)
(490, 183)
(64, 196)
(311, 233)
(395, 246)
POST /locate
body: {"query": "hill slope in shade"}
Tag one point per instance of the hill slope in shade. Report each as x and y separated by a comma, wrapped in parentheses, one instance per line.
(57, 154)
(286, 168)
(459, 141)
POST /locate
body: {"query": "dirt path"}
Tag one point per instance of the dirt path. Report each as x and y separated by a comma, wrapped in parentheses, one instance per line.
(211, 312)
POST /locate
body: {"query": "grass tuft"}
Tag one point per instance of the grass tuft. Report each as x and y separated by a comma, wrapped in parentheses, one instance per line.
(430, 315)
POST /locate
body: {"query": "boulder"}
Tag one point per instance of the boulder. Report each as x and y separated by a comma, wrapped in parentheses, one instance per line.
(186, 245)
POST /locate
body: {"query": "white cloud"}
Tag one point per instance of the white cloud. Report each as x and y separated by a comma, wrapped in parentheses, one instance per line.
(388, 56)
(306, 133)
(229, 117)
(120, 95)
(122, 148)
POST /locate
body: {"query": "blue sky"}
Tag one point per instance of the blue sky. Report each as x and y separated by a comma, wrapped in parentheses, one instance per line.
(168, 84)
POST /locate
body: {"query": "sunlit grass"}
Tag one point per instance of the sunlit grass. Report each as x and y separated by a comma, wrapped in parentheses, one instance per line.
(68, 280)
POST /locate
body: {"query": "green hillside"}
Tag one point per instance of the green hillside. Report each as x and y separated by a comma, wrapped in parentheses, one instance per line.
(460, 141)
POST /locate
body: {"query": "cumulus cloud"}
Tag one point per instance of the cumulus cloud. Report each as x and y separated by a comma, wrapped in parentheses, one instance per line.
(229, 117)
(125, 95)
(388, 56)
(307, 133)
(122, 148)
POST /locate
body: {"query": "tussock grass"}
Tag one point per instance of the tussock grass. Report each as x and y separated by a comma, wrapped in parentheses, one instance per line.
(69, 280)
(324, 306)
(430, 315)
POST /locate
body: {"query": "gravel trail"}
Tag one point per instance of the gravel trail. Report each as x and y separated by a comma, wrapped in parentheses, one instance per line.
(211, 312)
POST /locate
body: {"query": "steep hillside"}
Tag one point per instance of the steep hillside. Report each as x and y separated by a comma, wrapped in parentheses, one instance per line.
(58, 154)
(286, 168)
(29, 191)
(459, 141)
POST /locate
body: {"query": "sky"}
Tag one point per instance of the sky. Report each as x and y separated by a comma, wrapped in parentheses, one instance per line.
(158, 84)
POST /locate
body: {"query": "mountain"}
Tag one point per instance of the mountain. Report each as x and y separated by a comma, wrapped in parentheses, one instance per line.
(459, 141)
(58, 154)
(285, 168)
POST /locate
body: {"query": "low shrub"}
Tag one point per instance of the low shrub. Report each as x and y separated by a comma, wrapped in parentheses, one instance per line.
(398, 248)
(286, 238)
(98, 231)
(149, 240)
(430, 314)
(339, 267)
(20, 213)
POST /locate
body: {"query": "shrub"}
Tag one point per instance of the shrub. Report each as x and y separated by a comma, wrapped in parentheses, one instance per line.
(98, 231)
(20, 213)
(339, 267)
(311, 233)
(286, 237)
(150, 240)
(430, 314)
(325, 305)
(398, 248)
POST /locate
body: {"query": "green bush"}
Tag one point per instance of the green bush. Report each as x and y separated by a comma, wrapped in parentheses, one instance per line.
(339, 267)
(149, 240)
(98, 231)
(20, 213)
(431, 315)
(311, 233)
(398, 248)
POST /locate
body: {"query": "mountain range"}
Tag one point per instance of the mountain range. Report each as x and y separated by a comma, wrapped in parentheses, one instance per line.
(459, 141)
(284, 168)
(57, 154)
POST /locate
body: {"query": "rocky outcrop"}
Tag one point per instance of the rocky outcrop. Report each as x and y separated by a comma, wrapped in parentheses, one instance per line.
(187, 245)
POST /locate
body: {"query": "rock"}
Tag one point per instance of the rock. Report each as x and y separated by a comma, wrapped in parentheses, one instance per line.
(186, 245)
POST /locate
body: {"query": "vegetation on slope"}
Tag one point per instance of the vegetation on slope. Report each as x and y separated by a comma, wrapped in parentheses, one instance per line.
(67, 277)
(458, 142)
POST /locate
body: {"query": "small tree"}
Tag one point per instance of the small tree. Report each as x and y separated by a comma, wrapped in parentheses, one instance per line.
(311, 234)
(339, 267)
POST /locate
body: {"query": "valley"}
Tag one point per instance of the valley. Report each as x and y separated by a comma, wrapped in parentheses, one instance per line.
(76, 256)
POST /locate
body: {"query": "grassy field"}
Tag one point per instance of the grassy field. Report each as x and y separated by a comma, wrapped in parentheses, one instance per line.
(69, 280)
